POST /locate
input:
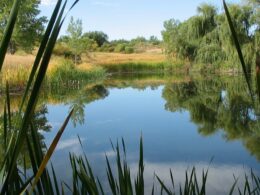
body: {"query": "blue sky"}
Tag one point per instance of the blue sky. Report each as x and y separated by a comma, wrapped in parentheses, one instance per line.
(129, 18)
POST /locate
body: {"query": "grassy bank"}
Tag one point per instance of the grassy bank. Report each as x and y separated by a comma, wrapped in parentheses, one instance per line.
(95, 65)
(17, 68)
(66, 73)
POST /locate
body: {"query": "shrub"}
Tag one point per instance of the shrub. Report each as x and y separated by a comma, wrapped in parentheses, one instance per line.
(120, 48)
(129, 50)
(61, 49)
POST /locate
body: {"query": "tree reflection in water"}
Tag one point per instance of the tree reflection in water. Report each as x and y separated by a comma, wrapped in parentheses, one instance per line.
(218, 105)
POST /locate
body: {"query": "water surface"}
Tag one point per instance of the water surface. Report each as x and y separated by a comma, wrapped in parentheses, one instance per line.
(185, 121)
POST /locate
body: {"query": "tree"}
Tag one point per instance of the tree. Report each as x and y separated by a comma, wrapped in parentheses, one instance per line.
(29, 26)
(98, 36)
(154, 40)
(78, 43)
(206, 37)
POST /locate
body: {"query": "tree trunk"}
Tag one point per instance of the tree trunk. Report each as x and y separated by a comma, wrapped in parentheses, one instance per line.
(12, 47)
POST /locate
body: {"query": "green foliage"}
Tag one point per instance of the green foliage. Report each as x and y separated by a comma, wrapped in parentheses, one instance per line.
(98, 36)
(120, 48)
(205, 38)
(154, 40)
(123, 48)
(66, 74)
(29, 27)
(14, 178)
(135, 67)
(129, 50)
(76, 42)
(62, 49)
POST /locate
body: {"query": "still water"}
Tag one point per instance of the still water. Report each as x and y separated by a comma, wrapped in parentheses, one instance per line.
(185, 121)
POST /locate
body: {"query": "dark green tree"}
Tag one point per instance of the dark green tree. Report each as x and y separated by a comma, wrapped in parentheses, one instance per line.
(29, 26)
(206, 39)
(98, 36)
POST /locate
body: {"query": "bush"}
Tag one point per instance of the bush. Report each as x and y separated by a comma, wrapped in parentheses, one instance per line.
(120, 48)
(129, 50)
(106, 47)
(61, 49)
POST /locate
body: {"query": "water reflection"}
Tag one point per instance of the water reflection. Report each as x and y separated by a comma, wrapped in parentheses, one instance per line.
(40, 124)
(233, 113)
(185, 120)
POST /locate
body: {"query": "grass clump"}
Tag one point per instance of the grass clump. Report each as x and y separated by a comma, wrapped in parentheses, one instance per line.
(122, 180)
(68, 73)
(131, 67)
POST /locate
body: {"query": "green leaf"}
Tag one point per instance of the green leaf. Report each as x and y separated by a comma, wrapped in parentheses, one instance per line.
(50, 151)
(8, 31)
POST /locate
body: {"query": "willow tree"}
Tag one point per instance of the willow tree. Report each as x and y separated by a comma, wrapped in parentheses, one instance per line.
(206, 39)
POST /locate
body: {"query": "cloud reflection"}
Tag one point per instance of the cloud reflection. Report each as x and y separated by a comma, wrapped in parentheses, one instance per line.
(220, 177)
(72, 143)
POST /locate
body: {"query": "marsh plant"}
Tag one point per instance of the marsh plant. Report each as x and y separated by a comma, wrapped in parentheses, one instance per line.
(20, 132)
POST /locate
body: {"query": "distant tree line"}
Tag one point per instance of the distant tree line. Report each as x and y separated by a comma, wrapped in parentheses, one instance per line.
(206, 39)
(75, 42)
(30, 27)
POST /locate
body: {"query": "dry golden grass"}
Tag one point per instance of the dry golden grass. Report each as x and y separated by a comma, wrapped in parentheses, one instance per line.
(16, 68)
(103, 59)
(89, 61)
(18, 60)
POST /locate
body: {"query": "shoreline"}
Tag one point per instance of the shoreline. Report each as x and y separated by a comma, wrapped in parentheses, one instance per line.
(97, 67)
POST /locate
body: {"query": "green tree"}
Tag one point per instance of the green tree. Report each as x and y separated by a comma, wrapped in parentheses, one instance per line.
(206, 39)
(98, 36)
(78, 43)
(29, 26)
(154, 40)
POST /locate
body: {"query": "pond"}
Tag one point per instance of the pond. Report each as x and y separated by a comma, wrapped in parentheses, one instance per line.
(208, 122)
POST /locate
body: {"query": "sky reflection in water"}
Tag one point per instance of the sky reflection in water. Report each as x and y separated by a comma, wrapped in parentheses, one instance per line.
(173, 137)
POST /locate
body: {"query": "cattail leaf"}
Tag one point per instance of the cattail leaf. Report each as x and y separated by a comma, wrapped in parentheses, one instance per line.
(51, 150)
(238, 48)
(8, 31)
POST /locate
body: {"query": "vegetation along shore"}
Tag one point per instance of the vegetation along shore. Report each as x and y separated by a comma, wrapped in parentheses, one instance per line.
(41, 71)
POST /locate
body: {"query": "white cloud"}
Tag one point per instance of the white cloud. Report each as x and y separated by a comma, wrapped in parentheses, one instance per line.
(48, 2)
(69, 143)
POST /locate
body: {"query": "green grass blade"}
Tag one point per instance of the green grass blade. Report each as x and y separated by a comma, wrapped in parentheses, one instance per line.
(163, 186)
(38, 158)
(34, 96)
(8, 31)
(238, 48)
(139, 184)
(100, 187)
(111, 179)
(25, 186)
(33, 164)
(8, 103)
(41, 50)
(50, 151)
(233, 187)
(172, 180)
(257, 62)
(55, 180)
(5, 128)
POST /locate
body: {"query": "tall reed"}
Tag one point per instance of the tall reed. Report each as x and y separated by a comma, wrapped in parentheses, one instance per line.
(16, 133)
(21, 132)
